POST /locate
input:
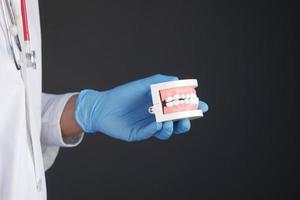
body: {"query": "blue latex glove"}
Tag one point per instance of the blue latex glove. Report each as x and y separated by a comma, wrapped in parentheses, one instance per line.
(122, 112)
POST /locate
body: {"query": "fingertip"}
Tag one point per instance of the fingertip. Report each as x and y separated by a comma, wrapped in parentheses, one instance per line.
(166, 131)
(162, 136)
(203, 106)
(182, 126)
(168, 126)
(159, 126)
(147, 131)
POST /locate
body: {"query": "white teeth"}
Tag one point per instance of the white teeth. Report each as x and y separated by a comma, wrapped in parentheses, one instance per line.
(169, 99)
(190, 98)
(177, 96)
(192, 101)
(169, 104)
(176, 102)
(196, 101)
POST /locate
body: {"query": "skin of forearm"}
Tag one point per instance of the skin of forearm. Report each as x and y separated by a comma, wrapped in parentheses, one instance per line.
(68, 124)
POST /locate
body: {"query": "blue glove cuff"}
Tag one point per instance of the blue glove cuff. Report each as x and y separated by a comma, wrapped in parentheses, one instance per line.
(85, 105)
(79, 115)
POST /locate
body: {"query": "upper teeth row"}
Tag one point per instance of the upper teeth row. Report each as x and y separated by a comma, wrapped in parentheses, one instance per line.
(192, 101)
(181, 96)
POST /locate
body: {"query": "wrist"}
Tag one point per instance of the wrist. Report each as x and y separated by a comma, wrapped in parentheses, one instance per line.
(68, 124)
(87, 109)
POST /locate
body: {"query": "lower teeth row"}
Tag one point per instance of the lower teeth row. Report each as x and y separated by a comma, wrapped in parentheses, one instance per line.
(192, 101)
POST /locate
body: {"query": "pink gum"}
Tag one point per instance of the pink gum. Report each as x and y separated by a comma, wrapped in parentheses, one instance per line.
(164, 94)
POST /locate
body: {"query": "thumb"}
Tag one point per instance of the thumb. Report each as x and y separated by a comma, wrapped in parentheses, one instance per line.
(158, 78)
(143, 85)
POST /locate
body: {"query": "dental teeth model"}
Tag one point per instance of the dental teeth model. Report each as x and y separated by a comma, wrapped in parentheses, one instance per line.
(175, 100)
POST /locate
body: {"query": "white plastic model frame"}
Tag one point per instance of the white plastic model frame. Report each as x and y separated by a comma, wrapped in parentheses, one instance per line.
(189, 108)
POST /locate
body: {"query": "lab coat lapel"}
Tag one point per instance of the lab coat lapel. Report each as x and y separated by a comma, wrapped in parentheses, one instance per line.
(32, 89)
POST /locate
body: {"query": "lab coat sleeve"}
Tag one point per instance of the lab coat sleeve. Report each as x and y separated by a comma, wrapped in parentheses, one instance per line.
(51, 136)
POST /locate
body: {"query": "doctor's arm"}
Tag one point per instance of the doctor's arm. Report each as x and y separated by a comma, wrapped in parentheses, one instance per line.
(52, 138)
(69, 126)
(121, 112)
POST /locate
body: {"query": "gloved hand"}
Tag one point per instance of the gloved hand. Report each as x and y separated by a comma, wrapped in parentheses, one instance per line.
(122, 112)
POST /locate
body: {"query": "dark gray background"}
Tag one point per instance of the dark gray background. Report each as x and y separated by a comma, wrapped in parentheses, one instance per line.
(243, 54)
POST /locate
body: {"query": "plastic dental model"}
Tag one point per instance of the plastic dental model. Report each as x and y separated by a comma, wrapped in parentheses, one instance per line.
(174, 100)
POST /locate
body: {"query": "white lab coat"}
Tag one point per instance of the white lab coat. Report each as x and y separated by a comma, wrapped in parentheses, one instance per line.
(30, 133)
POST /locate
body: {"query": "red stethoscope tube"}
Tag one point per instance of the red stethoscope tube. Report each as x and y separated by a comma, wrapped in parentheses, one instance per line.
(24, 21)
(29, 54)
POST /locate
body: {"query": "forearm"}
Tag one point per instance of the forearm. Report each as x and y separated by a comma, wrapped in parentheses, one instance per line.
(68, 124)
